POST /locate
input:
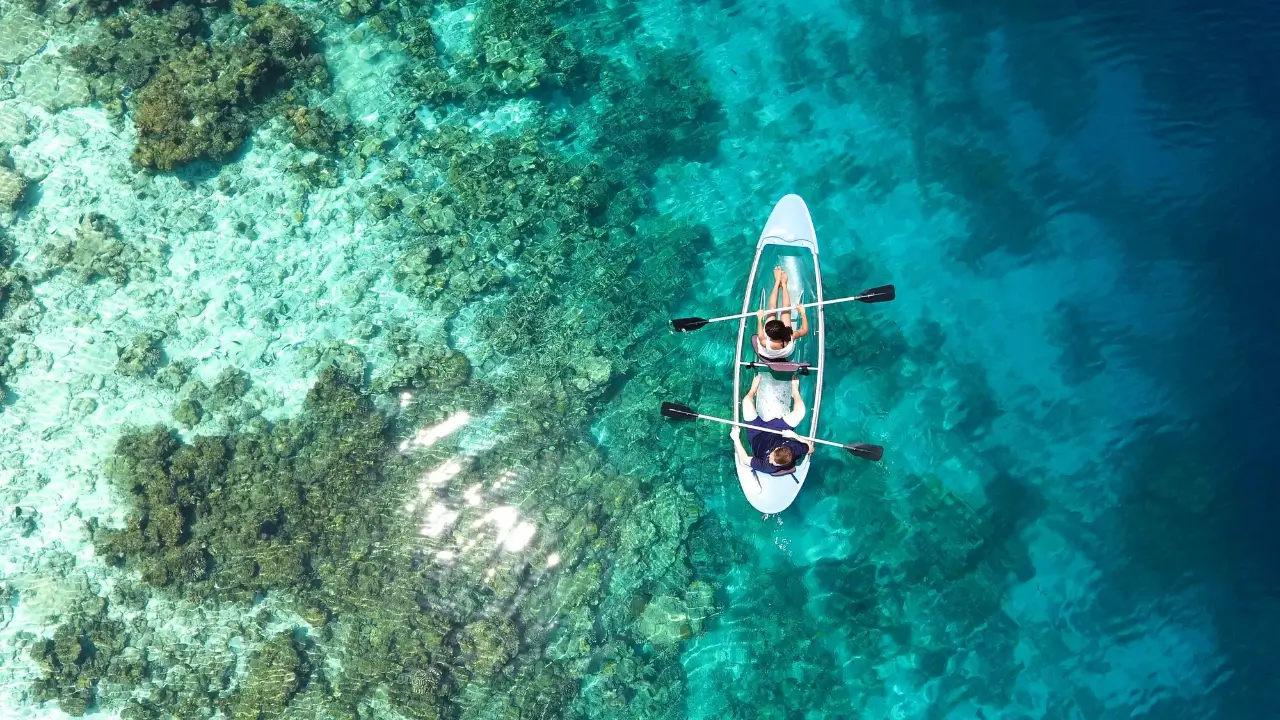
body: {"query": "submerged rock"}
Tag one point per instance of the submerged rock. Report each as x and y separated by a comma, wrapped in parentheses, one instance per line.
(22, 34)
(665, 622)
(13, 126)
(12, 186)
(53, 85)
(595, 369)
(98, 251)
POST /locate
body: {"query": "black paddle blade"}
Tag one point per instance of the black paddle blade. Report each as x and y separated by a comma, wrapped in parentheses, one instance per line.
(687, 324)
(884, 293)
(678, 412)
(863, 450)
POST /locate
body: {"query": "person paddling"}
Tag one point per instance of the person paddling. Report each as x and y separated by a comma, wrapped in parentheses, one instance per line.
(772, 453)
(776, 339)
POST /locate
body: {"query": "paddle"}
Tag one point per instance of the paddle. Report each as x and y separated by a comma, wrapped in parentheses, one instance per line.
(684, 412)
(884, 293)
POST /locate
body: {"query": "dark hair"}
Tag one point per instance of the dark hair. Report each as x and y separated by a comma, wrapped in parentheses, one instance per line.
(785, 454)
(776, 330)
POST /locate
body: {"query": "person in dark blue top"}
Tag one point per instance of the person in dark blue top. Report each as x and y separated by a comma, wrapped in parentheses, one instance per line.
(772, 453)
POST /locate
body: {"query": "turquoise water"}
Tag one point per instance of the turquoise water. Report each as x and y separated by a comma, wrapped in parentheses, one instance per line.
(332, 338)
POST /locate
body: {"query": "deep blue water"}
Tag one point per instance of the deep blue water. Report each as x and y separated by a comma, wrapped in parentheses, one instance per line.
(1095, 342)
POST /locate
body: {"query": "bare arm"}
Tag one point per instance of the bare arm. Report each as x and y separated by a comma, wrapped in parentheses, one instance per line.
(740, 453)
(804, 325)
(792, 435)
(785, 316)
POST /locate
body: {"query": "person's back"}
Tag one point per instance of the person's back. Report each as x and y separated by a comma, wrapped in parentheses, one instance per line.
(772, 452)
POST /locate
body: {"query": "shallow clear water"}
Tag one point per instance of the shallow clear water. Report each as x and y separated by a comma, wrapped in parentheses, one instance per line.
(402, 321)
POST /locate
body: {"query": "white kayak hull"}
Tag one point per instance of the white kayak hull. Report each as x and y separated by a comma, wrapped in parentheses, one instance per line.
(788, 240)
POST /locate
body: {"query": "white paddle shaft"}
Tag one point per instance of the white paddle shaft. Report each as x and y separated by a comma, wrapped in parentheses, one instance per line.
(765, 429)
(791, 307)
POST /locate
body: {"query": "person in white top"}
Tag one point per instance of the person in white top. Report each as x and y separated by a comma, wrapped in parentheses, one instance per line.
(775, 338)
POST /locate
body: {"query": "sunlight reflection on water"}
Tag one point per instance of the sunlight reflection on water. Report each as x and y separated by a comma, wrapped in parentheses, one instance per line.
(428, 436)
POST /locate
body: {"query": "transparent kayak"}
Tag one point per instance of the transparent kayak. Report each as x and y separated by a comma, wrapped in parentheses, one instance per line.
(789, 241)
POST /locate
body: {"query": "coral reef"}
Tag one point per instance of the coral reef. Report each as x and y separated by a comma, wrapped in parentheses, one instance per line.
(204, 520)
(488, 645)
(205, 523)
(522, 47)
(668, 106)
(312, 128)
(15, 286)
(276, 673)
(179, 537)
(353, 10)
(19, 312)
(145, 657)
(516, 48)
(431, 366)
(668, 620)
(424, 270)
(174, 375)
(318, 171)
(560, 234)
(485, 573)
(428, 78)
(142, 356)
(12, 186)
(188, 412)
(84, 10)
(127, 49)
(98, 251)
(419, 37)
(201, 103)
(199, 98)
(81, 653)
(228, 388)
